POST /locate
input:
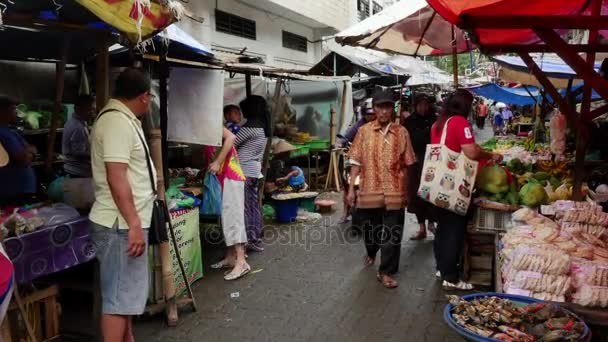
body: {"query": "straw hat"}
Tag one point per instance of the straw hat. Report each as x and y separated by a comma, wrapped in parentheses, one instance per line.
(282, 146)
(3, 156)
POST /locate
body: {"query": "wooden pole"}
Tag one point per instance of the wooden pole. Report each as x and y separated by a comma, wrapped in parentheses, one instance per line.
(454, 58)
(102, 76)
(159, 156)
(582, 136)
(59, 87)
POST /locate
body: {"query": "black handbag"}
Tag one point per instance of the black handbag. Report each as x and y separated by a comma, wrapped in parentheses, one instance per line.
(157, 233)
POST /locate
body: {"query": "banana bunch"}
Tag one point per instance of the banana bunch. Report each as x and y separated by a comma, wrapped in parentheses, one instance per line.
(529, 144)
(554, 168)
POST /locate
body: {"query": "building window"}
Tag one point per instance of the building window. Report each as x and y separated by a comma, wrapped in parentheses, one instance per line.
(363, 8)
(377, 8)
(235, 25)
(295, 42)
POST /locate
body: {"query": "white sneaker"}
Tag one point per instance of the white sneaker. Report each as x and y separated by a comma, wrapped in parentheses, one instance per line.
(438, 274)
(460, 286)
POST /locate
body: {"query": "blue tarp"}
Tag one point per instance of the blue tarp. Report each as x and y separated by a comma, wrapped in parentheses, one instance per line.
(181, 45)
(514, 96)
(594, 95)
(520, 97)
(178, 36)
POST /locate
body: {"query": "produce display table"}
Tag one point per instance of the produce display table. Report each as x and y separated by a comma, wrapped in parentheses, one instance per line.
(50, 250)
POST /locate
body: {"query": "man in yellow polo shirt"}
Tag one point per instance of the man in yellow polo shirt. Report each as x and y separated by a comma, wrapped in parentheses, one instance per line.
(124, 199)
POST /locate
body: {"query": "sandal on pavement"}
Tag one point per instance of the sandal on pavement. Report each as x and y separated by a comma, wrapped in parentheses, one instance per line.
(419, 236)
(387, 281)
(461, 285)
(222, 264)
(368, 261)
(234, 275)
(438, 274)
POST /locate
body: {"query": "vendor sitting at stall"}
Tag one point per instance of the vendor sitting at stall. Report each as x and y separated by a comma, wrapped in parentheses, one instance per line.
(76, 147)
(233, 117)
(18, 177)
(282, 177)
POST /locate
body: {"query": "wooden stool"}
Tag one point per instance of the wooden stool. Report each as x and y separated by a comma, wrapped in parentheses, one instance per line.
(333, 174)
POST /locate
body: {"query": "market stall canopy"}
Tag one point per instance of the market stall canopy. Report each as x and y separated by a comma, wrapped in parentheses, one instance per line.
(409, 27)
(470, 13)
(550, 64)
(514, 69)
(348, 58)
(515, 96)
(89, 15)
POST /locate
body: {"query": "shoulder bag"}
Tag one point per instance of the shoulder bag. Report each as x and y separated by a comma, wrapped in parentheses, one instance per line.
(157, 233)
(447, 177)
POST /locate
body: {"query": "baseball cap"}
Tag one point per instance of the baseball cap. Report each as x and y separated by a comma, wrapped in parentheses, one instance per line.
(382, 96)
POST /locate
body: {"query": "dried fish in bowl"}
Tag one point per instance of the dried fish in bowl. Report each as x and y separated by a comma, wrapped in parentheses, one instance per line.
(503, 320)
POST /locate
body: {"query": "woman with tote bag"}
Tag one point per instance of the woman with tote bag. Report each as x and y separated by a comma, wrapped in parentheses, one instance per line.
(452, 221)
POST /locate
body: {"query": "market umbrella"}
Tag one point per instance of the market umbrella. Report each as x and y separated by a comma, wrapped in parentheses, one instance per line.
(459, 11)
(408, 27)
(136, 18)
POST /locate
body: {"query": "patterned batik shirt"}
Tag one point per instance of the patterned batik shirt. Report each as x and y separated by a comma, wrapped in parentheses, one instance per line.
(383, 155)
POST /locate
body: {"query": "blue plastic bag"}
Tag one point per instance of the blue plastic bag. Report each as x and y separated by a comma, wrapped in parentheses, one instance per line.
(212, 196)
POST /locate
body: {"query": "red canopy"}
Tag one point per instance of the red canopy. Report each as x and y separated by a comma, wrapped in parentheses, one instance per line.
(455, 11)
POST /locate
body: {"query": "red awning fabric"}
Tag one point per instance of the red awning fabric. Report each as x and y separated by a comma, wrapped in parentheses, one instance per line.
(454, 10)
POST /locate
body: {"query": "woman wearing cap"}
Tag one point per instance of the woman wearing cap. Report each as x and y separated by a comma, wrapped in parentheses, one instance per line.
(451, 227)
(419, 127)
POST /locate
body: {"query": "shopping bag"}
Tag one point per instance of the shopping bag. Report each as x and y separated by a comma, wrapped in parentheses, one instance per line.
(212, 196)
(447, 177)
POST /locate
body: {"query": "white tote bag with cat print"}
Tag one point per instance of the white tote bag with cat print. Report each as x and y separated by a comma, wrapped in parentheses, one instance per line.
(447, 177)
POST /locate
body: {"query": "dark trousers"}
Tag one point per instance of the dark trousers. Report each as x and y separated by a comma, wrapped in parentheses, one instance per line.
(448, 244)
(383, 231)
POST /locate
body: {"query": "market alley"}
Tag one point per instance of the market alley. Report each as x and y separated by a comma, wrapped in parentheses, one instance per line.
(308, 290)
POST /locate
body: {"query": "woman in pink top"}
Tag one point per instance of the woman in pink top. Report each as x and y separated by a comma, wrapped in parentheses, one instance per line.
(226, 167)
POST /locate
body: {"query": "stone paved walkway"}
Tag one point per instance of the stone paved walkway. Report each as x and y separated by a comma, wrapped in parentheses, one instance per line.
(314, 288)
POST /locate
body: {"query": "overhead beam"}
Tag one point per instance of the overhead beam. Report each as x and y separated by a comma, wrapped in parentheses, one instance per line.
(598, 111)
(579, 65)
(564, 106)
(22, 20)
(513, 21)
(510, 48)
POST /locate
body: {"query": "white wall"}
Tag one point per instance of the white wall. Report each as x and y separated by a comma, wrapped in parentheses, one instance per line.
(332, 13)
(269, 33)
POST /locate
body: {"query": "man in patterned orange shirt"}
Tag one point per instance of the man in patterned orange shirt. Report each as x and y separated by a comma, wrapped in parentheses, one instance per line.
(380, 155)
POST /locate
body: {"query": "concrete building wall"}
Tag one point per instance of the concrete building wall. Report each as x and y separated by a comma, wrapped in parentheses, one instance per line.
(313, 19)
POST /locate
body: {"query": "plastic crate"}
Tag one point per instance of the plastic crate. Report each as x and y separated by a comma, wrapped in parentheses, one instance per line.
(322, 144)
(301, 150)
(491, 221)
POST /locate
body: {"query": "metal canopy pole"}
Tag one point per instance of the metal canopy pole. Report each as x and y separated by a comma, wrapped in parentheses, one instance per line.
(454, 58)
(582, 137)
